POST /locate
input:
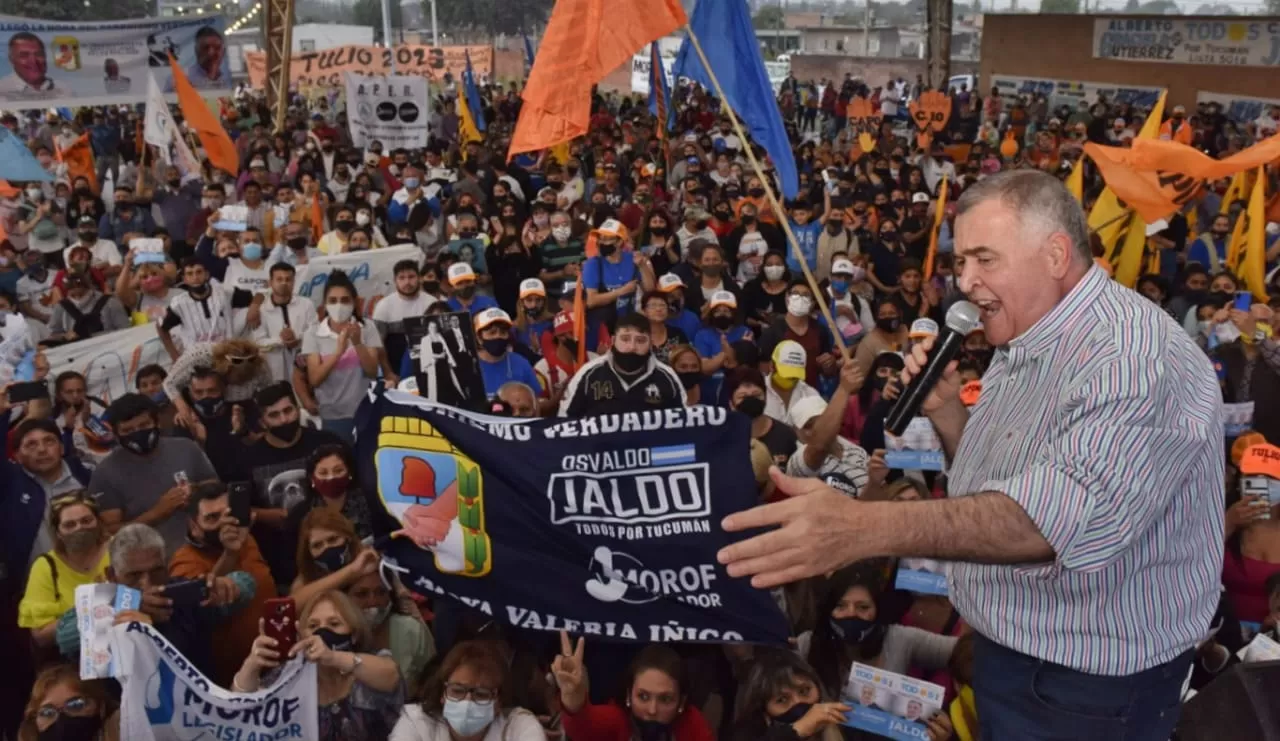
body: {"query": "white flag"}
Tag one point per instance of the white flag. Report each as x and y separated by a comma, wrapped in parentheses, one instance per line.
(158, 131)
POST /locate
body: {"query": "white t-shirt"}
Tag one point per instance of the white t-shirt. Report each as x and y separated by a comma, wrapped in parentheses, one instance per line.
(253, 280)
(1266, 125)
(776, 408)
(396, 308)
(751, 251)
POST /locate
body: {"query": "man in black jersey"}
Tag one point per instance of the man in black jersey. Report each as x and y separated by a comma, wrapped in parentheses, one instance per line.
(626, 379)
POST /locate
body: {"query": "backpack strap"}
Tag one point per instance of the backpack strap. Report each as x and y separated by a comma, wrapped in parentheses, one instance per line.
(53, 573)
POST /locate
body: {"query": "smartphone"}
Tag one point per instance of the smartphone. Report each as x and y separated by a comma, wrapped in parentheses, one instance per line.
(187, 592)
(239, 495)
(280, 621)
(28, 391)
(1244, 299)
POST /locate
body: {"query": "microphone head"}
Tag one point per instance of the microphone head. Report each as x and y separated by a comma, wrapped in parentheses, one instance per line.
(963, 317)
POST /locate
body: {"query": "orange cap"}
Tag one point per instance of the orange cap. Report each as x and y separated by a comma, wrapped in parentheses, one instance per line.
(1261, 460)
(1246, 440)
(970, 392)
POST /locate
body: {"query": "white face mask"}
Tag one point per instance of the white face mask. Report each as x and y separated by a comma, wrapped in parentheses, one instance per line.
(339, 313)
(362, 219)
(799, 305)
(35, 194)
(561, 233)
(1226, 332)
(774, 272)
(376, 615)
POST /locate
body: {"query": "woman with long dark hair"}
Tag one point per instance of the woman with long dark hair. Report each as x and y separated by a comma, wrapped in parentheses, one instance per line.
(782, 699)
(342, 353)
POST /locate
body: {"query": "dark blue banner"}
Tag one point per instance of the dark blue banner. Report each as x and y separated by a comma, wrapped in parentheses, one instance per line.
(605, 526)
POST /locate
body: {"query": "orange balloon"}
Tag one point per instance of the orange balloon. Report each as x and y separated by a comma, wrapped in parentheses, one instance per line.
(1009, 147)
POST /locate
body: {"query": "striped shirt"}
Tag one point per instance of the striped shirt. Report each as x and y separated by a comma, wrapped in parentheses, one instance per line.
(1104, 422)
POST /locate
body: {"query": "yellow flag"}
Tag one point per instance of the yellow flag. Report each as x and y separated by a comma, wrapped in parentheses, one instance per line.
(1075, 181)
(466, 124)
(937, 227)
(1129, 261)
(561, 153)
(1235, 192)
(1253, 264)
(1239, 240)
(1151, 127)
(1107, 218)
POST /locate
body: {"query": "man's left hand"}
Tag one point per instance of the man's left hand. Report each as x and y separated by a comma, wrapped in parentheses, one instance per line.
(222, 591)
(819, 532)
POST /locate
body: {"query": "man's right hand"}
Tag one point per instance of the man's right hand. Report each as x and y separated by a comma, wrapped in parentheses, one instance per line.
(946, 392)
(172, 500)
(155, 604)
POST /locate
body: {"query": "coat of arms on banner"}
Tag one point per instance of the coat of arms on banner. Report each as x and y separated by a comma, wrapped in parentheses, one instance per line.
(436, 493)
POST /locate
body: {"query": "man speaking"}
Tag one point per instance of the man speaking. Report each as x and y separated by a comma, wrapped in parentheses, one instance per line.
(1085, 515)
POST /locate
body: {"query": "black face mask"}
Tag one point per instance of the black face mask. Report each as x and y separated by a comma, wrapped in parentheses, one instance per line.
(607, 250)
(210, 407)
(209, 539)
(72, 728)
(334, 640)
(297, 243)
(344, 225)
(660, 231)
(571, 345)
(431, 286)
(752, 406)
(496, 346)
(141, 442)
(755, 192)
(835, 227)
(651, 730)
(888, 325)
(331, 560)
(285, 431)
(689, 379)
(630, 362)
(748, 220)
(794, 713)
(889, 237)
(724, 215)
(89, 237)
(722, 322)
(466, 292)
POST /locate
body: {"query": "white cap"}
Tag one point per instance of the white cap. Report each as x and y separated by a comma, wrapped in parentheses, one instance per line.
(806, 409)
(920, 198)
(923, 327)
(257, 163)
(723, 298)
(490, 316)
(670, 282)
(612, 228)
(1273, 228)
(842, 267)
(532, 287)
(460, 271)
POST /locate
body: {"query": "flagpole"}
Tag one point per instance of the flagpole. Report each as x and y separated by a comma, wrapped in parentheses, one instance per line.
(818, 298)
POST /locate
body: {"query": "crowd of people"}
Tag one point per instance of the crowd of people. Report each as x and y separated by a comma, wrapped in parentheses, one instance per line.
(692, 295)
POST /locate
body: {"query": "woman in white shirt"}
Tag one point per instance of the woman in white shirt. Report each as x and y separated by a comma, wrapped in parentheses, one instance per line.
(463, 699)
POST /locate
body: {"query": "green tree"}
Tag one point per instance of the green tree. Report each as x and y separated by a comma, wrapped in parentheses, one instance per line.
(492, 16)
(369, 13)
(1059, 6)
(79, 10)
(770, 17)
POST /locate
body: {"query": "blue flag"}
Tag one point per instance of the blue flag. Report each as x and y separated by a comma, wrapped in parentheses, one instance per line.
(17, 163)
(659, 92)
(724, 29)
(473, 94)
(528, 53)
(606, 526)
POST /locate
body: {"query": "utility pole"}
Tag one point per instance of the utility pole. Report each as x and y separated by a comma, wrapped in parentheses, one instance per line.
(277, 27)
(938, 18)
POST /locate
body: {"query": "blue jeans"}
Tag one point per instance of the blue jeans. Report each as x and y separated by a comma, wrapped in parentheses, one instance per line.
(1025, 699)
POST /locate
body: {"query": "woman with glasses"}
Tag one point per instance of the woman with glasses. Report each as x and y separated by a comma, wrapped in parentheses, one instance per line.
(463, 699)
(62, 706)
(79, 556)
(360, 693)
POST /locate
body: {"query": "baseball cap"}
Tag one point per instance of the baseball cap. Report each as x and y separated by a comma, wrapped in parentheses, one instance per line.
(569, 288)
(807, 409)
(371, 159)
(920, 198)
(1244, 442)
(532, 287)
(842, 267)
(922, 328)
(491, 316)
(87, 220)
(790, 359)
(459, 272)
(723, 298)
(1261, 460)
(612, 228)
(562, 324)
(670, 282)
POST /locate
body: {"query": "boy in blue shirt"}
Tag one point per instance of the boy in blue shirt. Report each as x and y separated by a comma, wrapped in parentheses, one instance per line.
(713, 342)
(498, 364)
(463, 280)
(807, 231)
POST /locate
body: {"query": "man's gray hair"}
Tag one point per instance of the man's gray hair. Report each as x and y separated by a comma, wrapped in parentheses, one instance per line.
(134, 537)
(516, 386)
(1039, 200)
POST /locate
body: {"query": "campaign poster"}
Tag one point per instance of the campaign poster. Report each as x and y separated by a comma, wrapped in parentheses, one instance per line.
(51, 64)
(324, 68)
(618, 516)
(922, 576)
(390, 109)
(891, 705)
(919, 448)
(443, 354)
(1218, 42)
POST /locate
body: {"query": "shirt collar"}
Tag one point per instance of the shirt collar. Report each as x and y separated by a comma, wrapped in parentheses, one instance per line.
(324, 330)
(1044, 333)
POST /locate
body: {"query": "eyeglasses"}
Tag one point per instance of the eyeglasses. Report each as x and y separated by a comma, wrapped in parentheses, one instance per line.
(460, 692)
(75, 706)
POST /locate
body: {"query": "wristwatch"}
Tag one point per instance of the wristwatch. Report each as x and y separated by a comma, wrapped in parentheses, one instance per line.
(356, 661)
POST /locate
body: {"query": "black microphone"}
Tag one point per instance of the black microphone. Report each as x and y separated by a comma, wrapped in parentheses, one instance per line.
(962, 318)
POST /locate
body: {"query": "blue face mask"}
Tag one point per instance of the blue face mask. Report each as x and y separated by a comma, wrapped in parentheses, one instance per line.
(467, 717)
(251, 251)
(410, 183)
(839, 286)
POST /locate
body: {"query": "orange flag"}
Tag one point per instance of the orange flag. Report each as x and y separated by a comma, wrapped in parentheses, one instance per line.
(317, 219)
(79, 161)
(580, 305)
(584, 41)
(1172, 156)
(218, 148)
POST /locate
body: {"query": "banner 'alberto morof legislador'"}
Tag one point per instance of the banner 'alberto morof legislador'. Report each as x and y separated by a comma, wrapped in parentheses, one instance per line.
(391, 110)
(52, 63)
(618, 516)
